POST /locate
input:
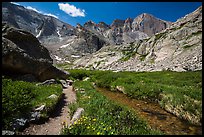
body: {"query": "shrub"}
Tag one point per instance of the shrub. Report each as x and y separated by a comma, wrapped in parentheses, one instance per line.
(19, 97)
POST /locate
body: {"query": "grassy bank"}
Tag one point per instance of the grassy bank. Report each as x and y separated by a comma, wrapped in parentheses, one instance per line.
(178, 92)
(103, 116)
(19, 98)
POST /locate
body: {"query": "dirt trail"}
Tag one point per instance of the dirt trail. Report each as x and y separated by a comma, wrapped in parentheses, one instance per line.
(54, 125)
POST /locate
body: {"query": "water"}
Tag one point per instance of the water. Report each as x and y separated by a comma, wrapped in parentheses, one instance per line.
(155, 116)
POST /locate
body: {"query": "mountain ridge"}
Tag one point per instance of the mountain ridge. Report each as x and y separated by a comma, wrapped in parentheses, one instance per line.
(144, 35)
(54, 33)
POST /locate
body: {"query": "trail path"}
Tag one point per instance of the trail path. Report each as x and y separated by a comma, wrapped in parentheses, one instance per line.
(54, 125)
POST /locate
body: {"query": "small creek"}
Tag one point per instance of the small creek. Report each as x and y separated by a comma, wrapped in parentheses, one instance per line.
(156, 117)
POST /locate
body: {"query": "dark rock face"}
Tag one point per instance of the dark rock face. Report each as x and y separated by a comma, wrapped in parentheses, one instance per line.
(23, 54)
(26, 42)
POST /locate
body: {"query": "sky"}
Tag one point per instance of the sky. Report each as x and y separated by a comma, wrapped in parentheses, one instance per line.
(81, 12)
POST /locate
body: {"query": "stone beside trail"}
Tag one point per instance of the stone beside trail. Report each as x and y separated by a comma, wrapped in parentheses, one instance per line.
(55, 123)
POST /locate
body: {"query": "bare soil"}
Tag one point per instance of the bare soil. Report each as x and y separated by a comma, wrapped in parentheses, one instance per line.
(57, 119)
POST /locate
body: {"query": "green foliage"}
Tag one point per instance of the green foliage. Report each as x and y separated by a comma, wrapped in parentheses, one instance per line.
(103, 116)
(187, 46)
(78, 74)
(15, 100)
(19, 97)
(128, 53)
(149, 85)
(142, 57)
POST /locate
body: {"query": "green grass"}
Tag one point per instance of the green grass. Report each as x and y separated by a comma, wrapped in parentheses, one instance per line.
(103, 116)
(128, 53)
(184, 88)
(19, 98)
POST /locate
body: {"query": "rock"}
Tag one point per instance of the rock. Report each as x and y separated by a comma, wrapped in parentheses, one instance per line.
(86, 79)
(64, 83)
(77, 115)
(23, 54)
(27, 77)
(7, 132)
(40, 108)
(18, 124)
(121, 89)
(35, 116)
(70, 82)
(53, 96)
(48, 82)
(149, 24)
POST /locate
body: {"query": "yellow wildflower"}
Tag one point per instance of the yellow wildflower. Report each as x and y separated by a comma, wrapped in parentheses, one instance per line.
(94, 119)
(98, 133)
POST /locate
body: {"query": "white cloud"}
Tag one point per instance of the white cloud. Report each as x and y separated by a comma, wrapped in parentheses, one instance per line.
(71, 10)
(15, 3)
(48, 14)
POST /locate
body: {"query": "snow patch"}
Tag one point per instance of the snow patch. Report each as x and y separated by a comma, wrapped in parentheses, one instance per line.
(60, 36)
(39, 34)
(57, 58)
(75, 56)
(66, 45)
(67, 61)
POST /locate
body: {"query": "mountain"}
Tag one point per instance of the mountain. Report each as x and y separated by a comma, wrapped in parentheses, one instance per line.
(61, 39)
(67, 43)
(129, 30)
(176, 48)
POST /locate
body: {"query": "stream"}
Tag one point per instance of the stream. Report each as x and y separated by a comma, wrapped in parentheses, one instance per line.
(155, 116)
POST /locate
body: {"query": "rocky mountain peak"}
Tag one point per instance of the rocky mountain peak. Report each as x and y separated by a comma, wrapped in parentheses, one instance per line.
(128, 25)
(90, 23)
(129, 20)
(117, 23)
(79, 26)
(103, 25)
(149, 24)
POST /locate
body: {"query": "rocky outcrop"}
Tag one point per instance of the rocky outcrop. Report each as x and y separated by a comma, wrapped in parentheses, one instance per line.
(23, 54)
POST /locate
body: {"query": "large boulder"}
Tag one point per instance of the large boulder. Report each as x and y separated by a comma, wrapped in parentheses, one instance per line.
(22, 54)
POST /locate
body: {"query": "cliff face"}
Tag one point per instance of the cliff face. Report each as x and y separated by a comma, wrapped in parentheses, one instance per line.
(129, 30)
(177, 48)
(149, 24)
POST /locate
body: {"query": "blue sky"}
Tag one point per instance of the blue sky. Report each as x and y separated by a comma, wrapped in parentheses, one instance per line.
(80, 12)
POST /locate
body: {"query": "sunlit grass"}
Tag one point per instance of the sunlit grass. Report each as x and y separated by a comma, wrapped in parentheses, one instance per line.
(103, 116)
